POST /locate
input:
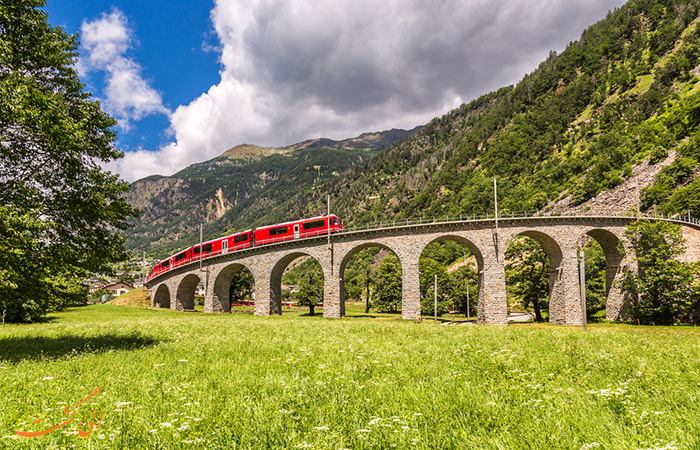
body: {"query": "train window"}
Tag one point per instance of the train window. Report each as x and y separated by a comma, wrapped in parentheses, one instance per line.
(181, 256)
(240, 238)
(335, 221)
(165, 264)
(277, 231)
(314, 224)
(195, 250)
(206, 248)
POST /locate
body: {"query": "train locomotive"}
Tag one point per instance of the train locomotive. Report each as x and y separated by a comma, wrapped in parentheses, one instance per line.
(270, 234)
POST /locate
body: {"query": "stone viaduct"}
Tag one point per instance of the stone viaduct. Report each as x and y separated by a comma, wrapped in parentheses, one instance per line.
(560, 236)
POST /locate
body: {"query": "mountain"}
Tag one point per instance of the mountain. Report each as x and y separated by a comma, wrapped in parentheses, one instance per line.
(246, 186)
(608, 125)
(616, 113)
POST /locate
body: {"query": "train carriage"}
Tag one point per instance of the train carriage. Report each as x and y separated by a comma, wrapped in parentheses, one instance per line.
(297, 229)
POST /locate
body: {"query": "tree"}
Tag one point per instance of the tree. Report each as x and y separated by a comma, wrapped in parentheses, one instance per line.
(595, 278)
(663, 289)
(527, 273)
(459, 281)
(241, 285)
(389, 285)
(360, 275)
(310, 293)
(57, 202)
(428, 269)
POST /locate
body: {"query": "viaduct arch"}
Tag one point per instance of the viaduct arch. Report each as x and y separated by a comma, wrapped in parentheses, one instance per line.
(560, 236)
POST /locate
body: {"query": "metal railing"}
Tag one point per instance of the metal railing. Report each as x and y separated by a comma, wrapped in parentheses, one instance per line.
(381, 225)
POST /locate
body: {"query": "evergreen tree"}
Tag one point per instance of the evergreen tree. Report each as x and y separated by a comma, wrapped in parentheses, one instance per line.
(59, 208)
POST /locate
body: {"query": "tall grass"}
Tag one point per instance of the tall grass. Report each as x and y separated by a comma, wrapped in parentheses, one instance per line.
(177, 380)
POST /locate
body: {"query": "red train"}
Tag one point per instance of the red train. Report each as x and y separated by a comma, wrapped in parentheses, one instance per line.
(259, 236)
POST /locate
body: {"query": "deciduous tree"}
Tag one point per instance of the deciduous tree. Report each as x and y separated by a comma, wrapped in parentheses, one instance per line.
(59, 205)
(664, 290)
(527, 273)
(389, 284)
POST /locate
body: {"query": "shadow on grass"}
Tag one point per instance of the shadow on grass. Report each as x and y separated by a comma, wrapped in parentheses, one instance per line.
(15, 349)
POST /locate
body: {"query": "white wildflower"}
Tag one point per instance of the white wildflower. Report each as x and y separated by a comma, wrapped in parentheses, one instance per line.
(590, 446)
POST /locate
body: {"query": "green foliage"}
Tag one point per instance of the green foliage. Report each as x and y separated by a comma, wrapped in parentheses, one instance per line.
(59, 207)
(308, 276)
(595, 278)
(664, 290)
(463, 289)
(527, 274)
(96, 296)
(428, 269)
(241, 285)
(440, 258)
(667, 180)
(389, 291)
(360, 275)
(310, 292)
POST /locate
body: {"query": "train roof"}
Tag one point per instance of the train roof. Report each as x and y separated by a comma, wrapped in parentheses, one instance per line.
(294, 221)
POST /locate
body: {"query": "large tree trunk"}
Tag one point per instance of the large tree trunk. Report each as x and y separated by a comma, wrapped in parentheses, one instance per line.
(311, 310)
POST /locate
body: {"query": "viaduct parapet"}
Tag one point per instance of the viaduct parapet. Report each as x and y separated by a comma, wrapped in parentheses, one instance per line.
(560, 236)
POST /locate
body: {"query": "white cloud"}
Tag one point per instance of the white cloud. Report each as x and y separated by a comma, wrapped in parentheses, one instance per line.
(298, 69)
(128, 96)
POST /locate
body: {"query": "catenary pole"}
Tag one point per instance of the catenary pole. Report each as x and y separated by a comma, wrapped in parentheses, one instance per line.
(582, 278)
(435, 298)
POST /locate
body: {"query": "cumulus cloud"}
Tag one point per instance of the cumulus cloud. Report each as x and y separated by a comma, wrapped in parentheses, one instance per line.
(298, 69)
(128, 96)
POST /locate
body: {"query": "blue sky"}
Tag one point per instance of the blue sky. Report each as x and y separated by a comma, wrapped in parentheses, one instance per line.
(189, 79)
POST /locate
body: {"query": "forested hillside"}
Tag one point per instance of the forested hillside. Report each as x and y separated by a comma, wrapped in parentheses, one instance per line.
(626, 92)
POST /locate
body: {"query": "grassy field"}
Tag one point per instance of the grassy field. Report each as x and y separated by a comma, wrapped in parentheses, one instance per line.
(182, 380)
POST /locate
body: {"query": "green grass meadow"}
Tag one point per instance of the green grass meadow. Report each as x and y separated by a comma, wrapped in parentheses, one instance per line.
(235, 381)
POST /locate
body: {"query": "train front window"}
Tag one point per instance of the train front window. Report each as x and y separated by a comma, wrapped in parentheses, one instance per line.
(336, 221)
